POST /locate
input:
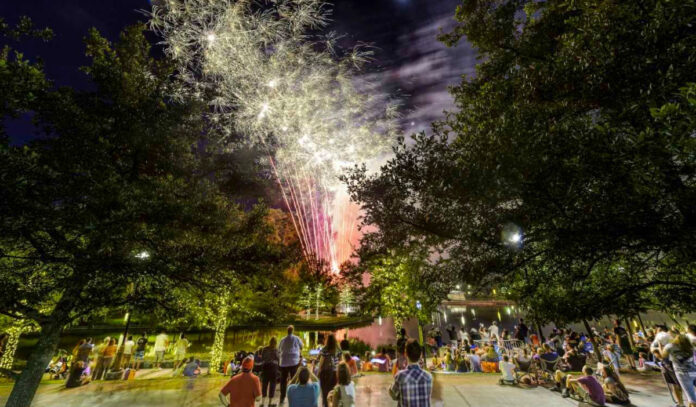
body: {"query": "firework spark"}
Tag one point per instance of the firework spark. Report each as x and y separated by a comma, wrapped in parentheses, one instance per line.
(270, 79)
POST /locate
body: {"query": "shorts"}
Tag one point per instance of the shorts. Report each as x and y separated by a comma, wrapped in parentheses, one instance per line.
(139, 355)
(670, 376)
(159, 356)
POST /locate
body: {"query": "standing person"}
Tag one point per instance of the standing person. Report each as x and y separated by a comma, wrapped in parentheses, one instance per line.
(681, 353)
(140, 351)
(522, 331)
(624, 343)
(493, 331)
(84, 351)
(612, 358)
(127, 351)
(302, 393)
(244, 389)
(290, 348)
(269, 373)
(401, 362)
(345, 343)
(161, 343)
(401, 338)
(413, 386)
(328, 360)
(180, 350)
(452, 333)
(352, 365)
(99, 364)
(343, 395)
(106, 356)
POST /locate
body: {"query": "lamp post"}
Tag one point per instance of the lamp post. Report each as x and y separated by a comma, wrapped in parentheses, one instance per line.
(116, 366)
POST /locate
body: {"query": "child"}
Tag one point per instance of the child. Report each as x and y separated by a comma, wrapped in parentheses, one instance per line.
(641, 362)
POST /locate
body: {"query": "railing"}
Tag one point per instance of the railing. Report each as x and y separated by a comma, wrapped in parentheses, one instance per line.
(509, 344)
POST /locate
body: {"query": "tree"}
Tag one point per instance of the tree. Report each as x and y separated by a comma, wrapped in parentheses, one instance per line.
(400, 284)
(117, 173)
(560, 163)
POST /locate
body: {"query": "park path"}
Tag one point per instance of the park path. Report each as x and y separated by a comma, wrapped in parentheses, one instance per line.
(157, 389)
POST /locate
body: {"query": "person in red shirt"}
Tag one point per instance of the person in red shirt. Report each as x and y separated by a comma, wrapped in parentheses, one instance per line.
(244, 388)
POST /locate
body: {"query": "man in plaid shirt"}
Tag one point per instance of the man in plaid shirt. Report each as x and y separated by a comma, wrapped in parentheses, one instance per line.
(412, 386)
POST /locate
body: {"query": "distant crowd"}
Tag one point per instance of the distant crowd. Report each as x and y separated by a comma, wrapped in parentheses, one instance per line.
(584, 365)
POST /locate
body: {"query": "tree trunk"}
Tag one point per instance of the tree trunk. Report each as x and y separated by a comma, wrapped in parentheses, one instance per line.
(630, 332)
(641, 325)
(25, 387)
(597, 353)
(7, 360)
(218, 343)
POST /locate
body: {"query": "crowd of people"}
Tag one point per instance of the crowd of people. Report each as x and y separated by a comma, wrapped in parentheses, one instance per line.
(90, 361)
(582, 365)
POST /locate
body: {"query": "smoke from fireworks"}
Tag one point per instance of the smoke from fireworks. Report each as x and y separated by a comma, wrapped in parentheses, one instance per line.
(280, 86)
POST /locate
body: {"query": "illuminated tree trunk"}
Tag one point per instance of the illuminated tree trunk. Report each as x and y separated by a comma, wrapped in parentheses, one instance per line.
(218, 343)
(7, 359)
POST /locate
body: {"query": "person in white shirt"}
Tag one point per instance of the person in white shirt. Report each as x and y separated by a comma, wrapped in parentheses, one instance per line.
(508, 371)
(161, 343)
(180, 351)
(127, 350)
(663, 337)
(493, 331)
(343, 394)
(290, 348)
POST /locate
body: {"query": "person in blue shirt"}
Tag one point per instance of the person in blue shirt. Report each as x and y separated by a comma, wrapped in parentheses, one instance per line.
(302, 392)
(290, 352)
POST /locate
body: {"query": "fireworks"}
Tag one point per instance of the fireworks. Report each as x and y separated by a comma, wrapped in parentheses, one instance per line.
(272, 81)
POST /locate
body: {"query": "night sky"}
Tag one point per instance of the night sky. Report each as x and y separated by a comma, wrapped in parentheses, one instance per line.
(409, 61)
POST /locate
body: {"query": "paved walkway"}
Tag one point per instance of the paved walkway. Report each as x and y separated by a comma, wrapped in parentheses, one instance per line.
(155, 388)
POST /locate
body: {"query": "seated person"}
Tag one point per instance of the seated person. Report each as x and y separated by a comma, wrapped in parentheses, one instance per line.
(79, 375)
(475, 362)
(572, 361)
(614, 391)
(507, 369)
(490, 355)
(548, 354)
(352, 365)
(302, 392)
(584, 388)
(462, 362)
(367, 365)
(192, 368)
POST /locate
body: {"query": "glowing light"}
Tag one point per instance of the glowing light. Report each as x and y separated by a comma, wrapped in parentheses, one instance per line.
(278, 88)
(379, 320)
(143, 255)
(499, 318)
(463, 320)
(516, 238)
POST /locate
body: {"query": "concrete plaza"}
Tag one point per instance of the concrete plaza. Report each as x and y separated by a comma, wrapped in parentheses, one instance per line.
(156, 388)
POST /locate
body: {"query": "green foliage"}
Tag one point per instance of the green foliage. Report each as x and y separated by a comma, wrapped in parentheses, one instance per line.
(398, 282)
(577, 129)
(123, 169)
